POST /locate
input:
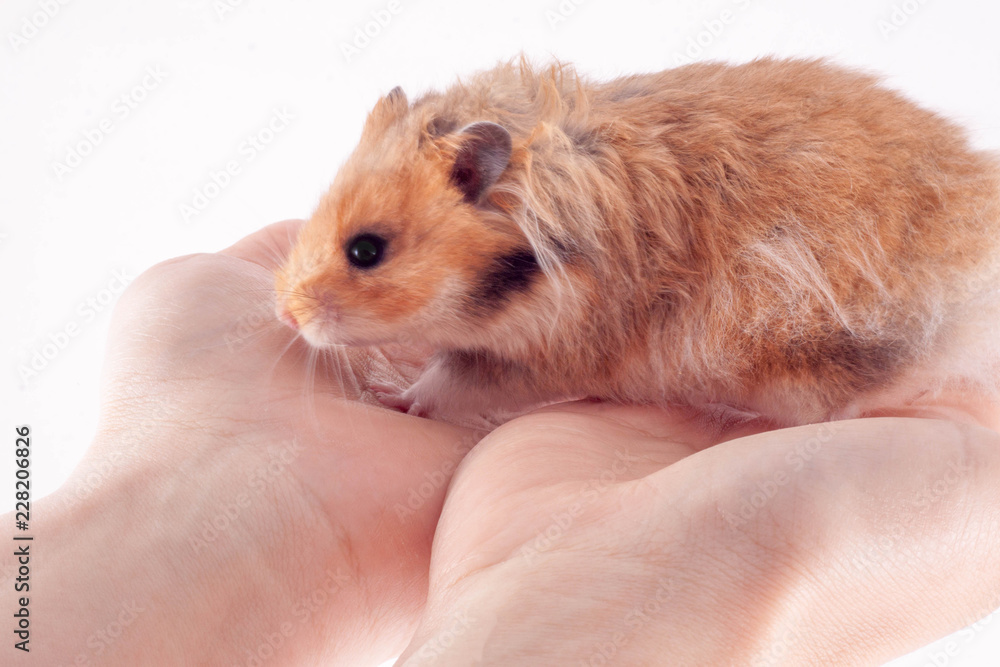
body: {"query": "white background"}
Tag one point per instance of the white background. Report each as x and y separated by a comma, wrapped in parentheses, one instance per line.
(77, 83)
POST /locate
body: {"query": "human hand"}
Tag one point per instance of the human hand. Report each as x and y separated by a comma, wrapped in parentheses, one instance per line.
(589, 535)
(239, 501)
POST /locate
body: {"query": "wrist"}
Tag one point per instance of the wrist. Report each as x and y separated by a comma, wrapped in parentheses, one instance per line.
(154, 562)
(118, 580)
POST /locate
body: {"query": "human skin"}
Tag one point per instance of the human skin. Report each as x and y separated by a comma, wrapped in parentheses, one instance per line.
(593, 535)
(243, 501)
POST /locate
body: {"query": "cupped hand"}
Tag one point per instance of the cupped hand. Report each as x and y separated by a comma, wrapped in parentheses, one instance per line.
(594, 535)
(270, 510)
(246, 502)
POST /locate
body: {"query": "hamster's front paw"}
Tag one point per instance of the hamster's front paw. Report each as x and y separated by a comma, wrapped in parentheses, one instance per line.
(435, 395)
(397, 398)
(460, 404)
(444, 395)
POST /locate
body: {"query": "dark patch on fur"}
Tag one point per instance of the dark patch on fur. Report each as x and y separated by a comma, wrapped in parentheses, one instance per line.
(435, 128)
(565, 249)
(585, 140)
(666, 302)
(856, 364)
(438, 126)
(512, 273)
(482, 367)
(870, 364)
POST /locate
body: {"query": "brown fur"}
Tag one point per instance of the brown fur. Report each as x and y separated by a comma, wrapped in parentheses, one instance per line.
(784, 237)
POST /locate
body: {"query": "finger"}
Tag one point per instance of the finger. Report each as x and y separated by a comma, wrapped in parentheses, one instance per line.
(583, 441)
(861, 521)
(267, 247)
(697, 428)
(964, 405)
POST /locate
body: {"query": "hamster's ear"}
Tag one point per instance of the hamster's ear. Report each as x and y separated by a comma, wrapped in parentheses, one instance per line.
(396, 96)
(484, 150)
(387, 109)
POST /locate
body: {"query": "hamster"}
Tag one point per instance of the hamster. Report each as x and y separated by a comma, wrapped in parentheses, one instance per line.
(785, 238)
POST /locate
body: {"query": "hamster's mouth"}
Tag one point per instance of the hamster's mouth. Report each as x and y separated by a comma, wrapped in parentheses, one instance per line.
(325, 335)
(333, 327)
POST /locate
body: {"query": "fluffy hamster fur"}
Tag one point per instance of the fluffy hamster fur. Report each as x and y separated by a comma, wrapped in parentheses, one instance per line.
(782, 237)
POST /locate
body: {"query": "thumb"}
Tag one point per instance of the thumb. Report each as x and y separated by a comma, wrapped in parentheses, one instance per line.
(268, 246)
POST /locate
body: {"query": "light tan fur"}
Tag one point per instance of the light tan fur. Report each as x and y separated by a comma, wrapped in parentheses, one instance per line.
(785, 237)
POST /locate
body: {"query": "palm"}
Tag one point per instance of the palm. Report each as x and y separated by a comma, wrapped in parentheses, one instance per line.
(618, 503)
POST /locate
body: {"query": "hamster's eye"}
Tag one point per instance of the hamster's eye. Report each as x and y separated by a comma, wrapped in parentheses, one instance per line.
(366, 250)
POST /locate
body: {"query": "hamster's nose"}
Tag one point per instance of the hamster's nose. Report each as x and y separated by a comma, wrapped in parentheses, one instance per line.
(286, 316)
